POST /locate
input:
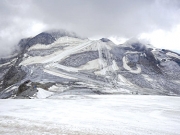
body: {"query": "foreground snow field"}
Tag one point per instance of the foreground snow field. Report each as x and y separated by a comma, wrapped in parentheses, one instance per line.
(91, 115)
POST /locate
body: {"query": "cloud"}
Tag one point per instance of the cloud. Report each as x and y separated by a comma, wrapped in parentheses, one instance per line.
(163, 39)
(94, 18)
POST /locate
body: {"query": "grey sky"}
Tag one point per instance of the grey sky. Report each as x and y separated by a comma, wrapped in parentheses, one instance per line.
(91, 18)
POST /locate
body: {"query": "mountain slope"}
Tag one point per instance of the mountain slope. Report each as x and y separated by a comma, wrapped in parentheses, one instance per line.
(62, 62)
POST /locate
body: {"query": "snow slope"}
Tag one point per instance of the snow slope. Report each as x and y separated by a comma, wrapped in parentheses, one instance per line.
(43, 93)
(92, 115)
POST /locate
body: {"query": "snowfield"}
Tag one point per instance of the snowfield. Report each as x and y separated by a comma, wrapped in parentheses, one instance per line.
(76, 86)
(43, 93)
(91, 115)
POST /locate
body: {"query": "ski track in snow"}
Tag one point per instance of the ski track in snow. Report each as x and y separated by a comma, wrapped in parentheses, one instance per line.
(102, 115)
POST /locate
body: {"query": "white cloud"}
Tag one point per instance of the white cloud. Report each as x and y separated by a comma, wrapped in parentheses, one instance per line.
(35, 28)
(124, 19)
(164, 39)
(118, 40)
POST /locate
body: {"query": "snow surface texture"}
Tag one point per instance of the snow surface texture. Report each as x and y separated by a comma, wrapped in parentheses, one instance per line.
(92, 115)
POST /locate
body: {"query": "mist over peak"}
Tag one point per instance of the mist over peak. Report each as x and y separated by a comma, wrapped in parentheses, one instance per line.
(57, 33)
(94, 19)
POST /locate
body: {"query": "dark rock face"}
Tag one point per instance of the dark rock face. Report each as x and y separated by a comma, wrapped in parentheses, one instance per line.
(153, 62)
(138, 46)
(5, 60)
(45, 38)
(79, 59)
(105, 40)
(42, 38)
(22, 43)
(14, 75)
(23, 87)
(29, 89)
(176, 60)
(4, 68)
(118, 54)
(132, 59)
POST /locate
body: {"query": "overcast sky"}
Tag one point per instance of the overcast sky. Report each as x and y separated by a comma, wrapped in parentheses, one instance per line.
(157, 21)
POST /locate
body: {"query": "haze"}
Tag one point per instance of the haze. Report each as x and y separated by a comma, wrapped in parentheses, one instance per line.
(156, 21)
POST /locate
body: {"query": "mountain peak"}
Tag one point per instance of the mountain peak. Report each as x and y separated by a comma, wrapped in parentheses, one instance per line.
(105, 40)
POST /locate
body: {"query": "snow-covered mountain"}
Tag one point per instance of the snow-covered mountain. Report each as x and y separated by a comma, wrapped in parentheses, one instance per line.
(55, 63)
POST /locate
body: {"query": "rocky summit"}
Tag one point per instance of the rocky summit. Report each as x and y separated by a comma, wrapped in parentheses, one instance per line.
(55, 63)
